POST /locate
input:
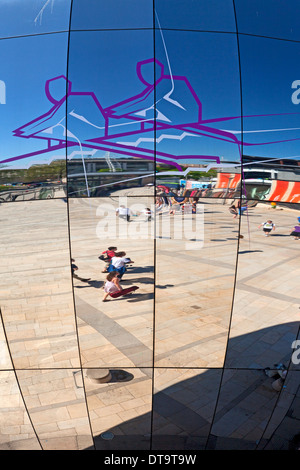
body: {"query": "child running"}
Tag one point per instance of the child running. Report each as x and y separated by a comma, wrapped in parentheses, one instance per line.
(112, 287)
(267, 227)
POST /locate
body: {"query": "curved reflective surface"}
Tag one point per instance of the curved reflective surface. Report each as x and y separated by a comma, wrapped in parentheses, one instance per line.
(149, 225)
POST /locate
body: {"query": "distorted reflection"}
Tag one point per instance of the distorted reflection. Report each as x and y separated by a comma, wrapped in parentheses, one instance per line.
(191, 137)
(5, 361)
(16, 431)
(183, 407)
(283, 427)
(149, 209)
(261, 18)
(199, 15)
(245, 405)
(111, 128)
(196, 254)
(36, 290)
(32, 155)
(120, 409)
(113, 247)
(101, 14)
(266, 291)
(56, 403)
(34, 17)
(270, 122)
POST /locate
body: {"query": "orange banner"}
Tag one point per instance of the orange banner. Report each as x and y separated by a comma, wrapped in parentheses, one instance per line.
(234, 182)
(278, 190)
(227, 180)
(294, 195)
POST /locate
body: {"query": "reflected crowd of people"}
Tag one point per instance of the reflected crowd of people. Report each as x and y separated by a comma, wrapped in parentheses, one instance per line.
(116, 263)
(169, 201)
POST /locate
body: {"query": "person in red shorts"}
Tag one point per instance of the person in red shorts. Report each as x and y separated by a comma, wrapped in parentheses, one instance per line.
(113, 288)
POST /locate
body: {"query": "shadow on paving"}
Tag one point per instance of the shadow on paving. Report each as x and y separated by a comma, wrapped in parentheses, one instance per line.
(250, 251)
(95, 284)
(141, 280)
(198, 414)
(146, 269)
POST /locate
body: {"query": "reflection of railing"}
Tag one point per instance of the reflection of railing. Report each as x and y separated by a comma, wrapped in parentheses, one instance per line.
(28, 194)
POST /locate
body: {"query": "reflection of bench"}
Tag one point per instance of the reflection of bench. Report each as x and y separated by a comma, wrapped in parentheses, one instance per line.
(252, 203)
(98, 376)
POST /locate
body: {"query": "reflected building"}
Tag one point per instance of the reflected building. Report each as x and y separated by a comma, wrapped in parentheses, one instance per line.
(261, 180)
(149, 206)
(103, 175)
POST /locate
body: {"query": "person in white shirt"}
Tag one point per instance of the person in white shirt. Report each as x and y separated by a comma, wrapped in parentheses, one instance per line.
(123, 212)
(267, 227)
(119, 263)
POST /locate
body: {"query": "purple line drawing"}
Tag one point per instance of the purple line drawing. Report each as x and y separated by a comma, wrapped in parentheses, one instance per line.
(150, 111)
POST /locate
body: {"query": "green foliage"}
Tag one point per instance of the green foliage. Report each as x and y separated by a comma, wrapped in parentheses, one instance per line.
(56, 170)
(106, 170)
(197, 175)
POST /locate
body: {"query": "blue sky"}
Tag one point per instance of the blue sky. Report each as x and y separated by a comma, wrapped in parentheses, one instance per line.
(104, 62)
(28, 62)
(24, 17)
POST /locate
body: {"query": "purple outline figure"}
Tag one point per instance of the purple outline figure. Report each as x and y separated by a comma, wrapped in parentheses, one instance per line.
(42, 127)
(134, 106)
(152, 109)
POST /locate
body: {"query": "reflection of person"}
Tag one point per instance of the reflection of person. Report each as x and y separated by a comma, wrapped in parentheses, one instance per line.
(194, 206)
(267, 227)
(123, 212)
(113, 288)
(241, 207)
(119, 262)
(159, 205)
(107, 255)
(178, 201)
(173, 110)
(296, 232)
(148, 214)
(194, 198)
(233, 210)
(75, 268)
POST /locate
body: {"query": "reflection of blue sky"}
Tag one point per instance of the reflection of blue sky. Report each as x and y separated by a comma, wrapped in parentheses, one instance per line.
(212, 15)
(210, 62)
(110, 14)
(268, 69)
(271, 18)
(24, 17)
(183, 14)
(28, 62)
(104, 62)
(118, 52)
(200, 57)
